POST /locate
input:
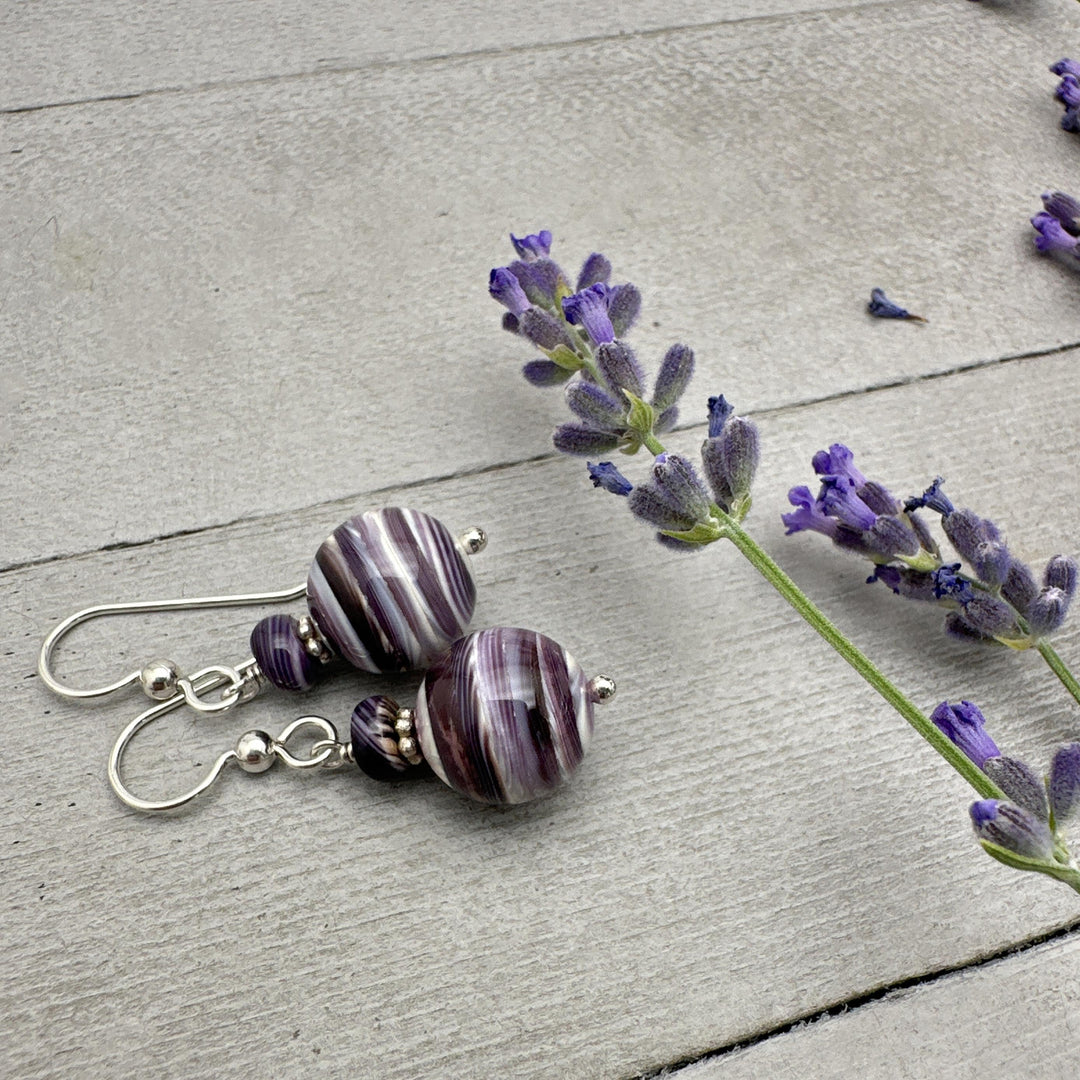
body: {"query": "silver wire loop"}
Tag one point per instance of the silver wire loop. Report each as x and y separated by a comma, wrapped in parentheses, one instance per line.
(187, 692)
(326, 751)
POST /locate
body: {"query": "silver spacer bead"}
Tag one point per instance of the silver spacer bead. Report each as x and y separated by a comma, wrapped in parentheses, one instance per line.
(601, 689)
(473, 540)
(403, 725)
(158, 679)
(314, 642)
(410, 750)
(255, 751)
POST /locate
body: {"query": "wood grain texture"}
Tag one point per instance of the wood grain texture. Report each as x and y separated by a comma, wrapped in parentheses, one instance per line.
(1012, 1018)
(60, 51)
(753, 837)
(239, 302)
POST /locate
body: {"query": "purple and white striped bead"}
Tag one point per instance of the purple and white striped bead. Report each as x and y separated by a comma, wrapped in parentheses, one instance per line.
(389, 590)
(374, 739)
(282, 655)
(505, 716)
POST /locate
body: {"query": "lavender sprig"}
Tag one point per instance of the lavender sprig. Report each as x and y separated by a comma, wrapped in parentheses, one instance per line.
(690, 508)
(1068, 92)
(1057, 227)
(997, 599)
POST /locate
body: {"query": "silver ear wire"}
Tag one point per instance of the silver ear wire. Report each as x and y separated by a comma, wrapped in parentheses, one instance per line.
(255, 750)
(161, 679)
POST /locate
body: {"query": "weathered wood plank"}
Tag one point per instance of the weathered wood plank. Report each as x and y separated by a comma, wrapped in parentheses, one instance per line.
(57, 51)
(753, 837)
(1014, 1017)
(239, 302)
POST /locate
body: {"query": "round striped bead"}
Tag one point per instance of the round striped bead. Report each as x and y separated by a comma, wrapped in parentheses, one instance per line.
(282, 655)
(389, 590)
(374, 740)
(505, 716)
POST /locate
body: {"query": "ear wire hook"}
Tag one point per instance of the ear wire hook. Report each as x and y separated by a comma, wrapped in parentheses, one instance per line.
(255, 750)
(161, 679)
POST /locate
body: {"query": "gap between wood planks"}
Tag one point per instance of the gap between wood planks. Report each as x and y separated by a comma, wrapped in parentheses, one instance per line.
(469, 54)
(501, 466)
(860, 1000)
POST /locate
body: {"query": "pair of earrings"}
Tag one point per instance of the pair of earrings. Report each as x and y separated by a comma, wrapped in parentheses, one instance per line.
(503, 715)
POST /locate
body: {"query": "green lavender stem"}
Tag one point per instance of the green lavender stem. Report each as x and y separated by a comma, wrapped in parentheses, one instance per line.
(1057, 666)
(764, 564)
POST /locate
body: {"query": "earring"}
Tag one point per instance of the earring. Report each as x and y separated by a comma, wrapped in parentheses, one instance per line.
(388, 590)
(503, 716)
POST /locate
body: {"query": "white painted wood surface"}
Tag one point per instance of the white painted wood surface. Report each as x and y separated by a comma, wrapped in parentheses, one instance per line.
(753, 838)
(1014, 1018)
(190, 276)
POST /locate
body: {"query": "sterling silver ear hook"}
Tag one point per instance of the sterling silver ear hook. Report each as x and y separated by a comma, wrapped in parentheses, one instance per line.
(387, 591)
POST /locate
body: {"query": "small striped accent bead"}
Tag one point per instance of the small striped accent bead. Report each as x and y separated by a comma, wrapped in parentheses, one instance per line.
(282, 654)
(389, 590)
(505, 716)
(374, 739)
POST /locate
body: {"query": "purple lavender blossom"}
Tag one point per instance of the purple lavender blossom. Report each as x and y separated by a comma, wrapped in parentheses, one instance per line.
(1013, 828)
(506, 289)
(594, 271)
(1019, 782)
(1068, 93)
(1066, 67)
(1052, 235)
(589, 309)
(881, 307)
(1065, 208)
(606, 476)
(965, 726)
(532, 247)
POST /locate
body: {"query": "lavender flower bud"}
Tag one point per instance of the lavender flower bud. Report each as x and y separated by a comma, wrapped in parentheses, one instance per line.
(678, 483)
(889, 537)
(589, 309)
(1012, 828)
(978, 542)
(647, 503)
(594, 271)
(922, 531)
(510, 322)
(596, 406)
(1060, 574)
(1020, 783)
(731, 459)
(506, 289)
(1052, 235)
(543, 329)
(541, 280)
(619, 368)
(583, 441)
(545, 373)
(991, 616)
(666, 420)
(624, 308)
(950, 585)
(964, 725)
(879, 498)
(719, 411)
(1065, 208)
(1047, 611)
(532, 247)
(1019, 587)
(606, 476)
(675, 371)
(1064, 783)
(1068, 92)
(905, 582)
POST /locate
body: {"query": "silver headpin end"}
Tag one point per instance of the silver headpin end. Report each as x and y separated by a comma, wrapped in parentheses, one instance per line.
(473, 540)
(601, 689)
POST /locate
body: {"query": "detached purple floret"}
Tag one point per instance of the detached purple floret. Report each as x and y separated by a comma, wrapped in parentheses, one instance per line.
(1057, 226)
(606, 476)
(1068, 92)
(881, 307)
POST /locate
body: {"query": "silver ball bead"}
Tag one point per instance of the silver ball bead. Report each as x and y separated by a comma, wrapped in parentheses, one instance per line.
(473, 540)
(158, 679)
(403, 725)
(255, 751)
(601, 689)
(409, 750)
